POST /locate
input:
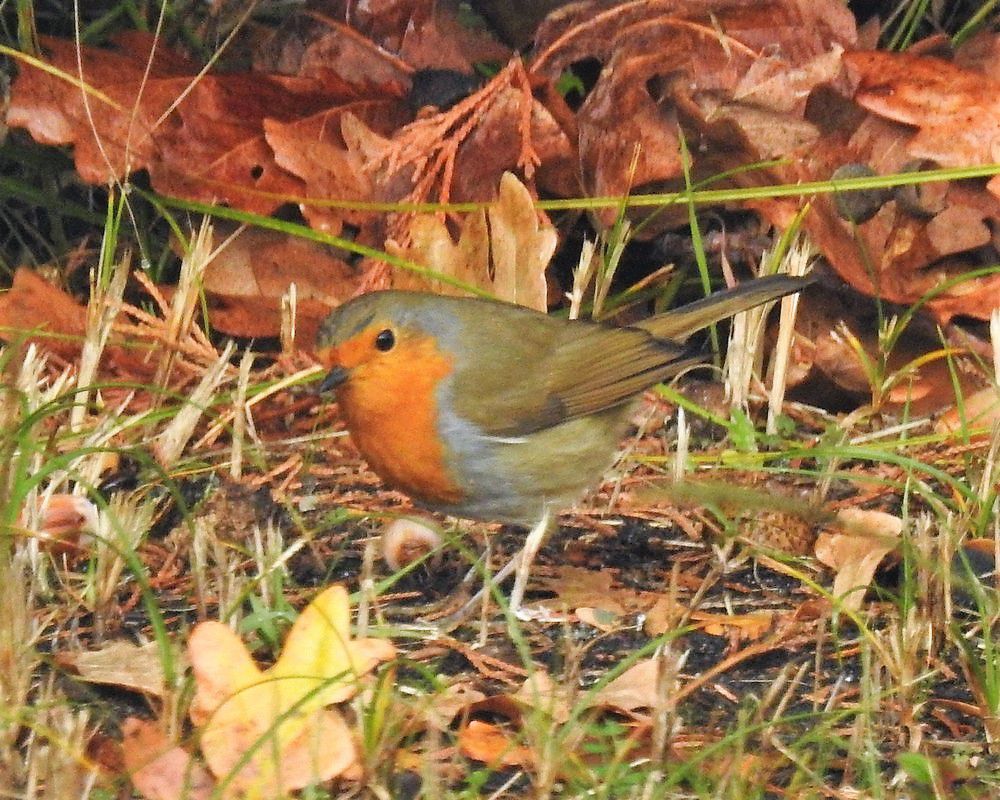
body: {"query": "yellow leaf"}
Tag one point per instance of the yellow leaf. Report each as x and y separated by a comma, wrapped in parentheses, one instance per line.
(266, 732)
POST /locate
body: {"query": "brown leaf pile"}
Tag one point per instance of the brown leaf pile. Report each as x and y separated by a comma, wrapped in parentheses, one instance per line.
(724, 93)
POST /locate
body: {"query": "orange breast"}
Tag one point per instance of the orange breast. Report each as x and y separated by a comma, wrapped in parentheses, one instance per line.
(390, 408)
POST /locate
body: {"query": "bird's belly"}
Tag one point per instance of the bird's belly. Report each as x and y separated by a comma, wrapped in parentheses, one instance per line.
(516, 479)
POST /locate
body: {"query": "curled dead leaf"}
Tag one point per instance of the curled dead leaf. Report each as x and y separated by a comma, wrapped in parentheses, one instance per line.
(855, 551)
(404, 541)
(130, 666)
(504, 250)
(979, 411)
(61, 520)
(491, 744)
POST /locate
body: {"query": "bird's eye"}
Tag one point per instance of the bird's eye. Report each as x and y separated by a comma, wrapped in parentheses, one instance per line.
(385, 340)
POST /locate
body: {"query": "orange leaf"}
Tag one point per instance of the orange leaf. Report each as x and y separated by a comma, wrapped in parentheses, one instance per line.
(159, 769)
(482, 741)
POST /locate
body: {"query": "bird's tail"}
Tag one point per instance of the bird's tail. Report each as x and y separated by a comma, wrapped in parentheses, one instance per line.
(679, 323)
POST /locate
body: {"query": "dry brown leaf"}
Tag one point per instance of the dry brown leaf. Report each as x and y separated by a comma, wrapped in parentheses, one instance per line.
(137, 668)
(956, 110)
(522, 241)
(262, 263)
(664, 616)
(979, 411)
(438, 39)
(512, 237)
(495, 147)
(854, 553)
(336, 154)
(447, 705)
(201, 137)
(577, 587)
(492, 130)
(110, 138)
(259, 317)
(958, 228)
(734, 76)
(247, 278)
(599, 618)
(318, 46)
(738, 626)
(910, 247)
(541, 693)
(431, 244)
(834, 325)
(42, 313)
(634, 689)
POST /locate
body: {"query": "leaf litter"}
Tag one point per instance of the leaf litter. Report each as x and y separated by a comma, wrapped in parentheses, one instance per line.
(324, 127)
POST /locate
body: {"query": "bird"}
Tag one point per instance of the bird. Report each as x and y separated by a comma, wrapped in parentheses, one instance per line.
(490, 411)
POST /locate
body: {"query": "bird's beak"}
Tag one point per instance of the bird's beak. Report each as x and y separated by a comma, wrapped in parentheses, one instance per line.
(334, 378)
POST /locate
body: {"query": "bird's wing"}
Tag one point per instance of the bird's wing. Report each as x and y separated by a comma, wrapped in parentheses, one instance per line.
(549, 370)
(572, 369)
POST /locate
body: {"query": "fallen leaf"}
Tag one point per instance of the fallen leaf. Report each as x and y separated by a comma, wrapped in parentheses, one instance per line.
(138, 668)
(504, 250)
(854, 553)
(495, 147)
(436, 37)
(333, 152)
(668, 70)
(159, 769)
(833, 325)
(522, 241)
(744, 626)
(634, 689)
(542, 693)
(491, 744)
(60, 522)
(200, 136)
(979, 411)
(262, 263)
(42, 313)
(577, 587)
(598, 618)
(451, 702)
(270, 731)
(956, 110)
(257, 317)
(664, 616)
(320, 46)
(919, 239)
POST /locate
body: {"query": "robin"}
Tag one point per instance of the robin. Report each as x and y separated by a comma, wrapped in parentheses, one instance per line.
(490, 411)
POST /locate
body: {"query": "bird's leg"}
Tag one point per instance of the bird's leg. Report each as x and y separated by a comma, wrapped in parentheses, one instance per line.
(520, 565)
(470, 605)
(526, 557)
